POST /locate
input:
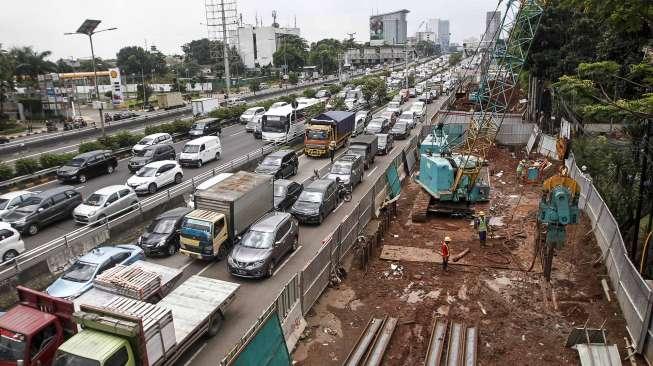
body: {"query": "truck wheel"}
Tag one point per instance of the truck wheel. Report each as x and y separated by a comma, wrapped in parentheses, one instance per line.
(215, 325)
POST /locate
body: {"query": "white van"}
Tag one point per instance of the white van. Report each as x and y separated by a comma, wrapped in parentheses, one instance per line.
(199, 151)
(206, 185)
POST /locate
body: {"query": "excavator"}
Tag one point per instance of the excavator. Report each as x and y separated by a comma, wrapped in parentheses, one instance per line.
(454, 178)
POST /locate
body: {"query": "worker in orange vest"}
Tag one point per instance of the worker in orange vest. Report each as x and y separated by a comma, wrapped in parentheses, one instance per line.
(444, 252)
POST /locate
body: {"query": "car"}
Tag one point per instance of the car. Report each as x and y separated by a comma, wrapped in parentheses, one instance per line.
(87, 165)
(361, 120)
(394, 107)
(78, 278)
(316, 201)
(10, 200)
(398, 98)
(254, 125)
(377, 125)
(156, 175)
(286, 193)
(161, 237)
(43, 208)
(263, 86)
(408, 118)
(151, 154)
(412, 93)
(250, 113)
(278, 105)
(199, 151)
(264, 245)
(11, 245)
(385, 143)
(105, 203)
(153, 139)
(400, 130)
(322, 93)
(280, 164)
(391, 116)
(420, 110)
(206, 127)
(348, 170)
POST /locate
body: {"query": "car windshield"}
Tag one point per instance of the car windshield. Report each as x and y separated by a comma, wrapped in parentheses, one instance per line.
(249, 112)
(317, 134)
(393, 105)
(278, 104)
(257, 239)
(406, 116)
(387, 114)
(399, 127)
(95, 200)
(274, 124)
(145, 153)
(145, 141)
(165, 226)
(80, 272)
(280, 191)
(341, 167)
(320, 94)
(12, 345)
(191, 148)
(195, 224)
(3, 203)
(361, 114)
(310, 196)
(67, 359)
(76, 162)
(198, 125)
(417, 107)
(375, 124)
(271, 161)
(30, 201)
(146, 172)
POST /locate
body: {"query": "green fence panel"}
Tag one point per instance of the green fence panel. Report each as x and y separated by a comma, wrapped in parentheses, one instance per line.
(392, 176)
(267, 348)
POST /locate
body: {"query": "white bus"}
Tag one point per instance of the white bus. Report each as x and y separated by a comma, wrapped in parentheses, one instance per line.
(283, 124)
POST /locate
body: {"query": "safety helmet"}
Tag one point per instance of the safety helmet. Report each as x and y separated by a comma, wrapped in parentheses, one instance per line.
(583, 168)
(447, 239)
(481, 213)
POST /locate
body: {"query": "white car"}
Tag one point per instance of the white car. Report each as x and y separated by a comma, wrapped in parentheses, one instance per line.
(153, 139)
(156, 175)
(105, 203)
(199, 151)
(278, 104)
(409, 118)
(11, 245)
(9, 201)
(420, 110)
(394, 107)
(250, 114)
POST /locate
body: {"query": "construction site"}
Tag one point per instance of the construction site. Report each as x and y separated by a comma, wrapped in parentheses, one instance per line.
(523, 282)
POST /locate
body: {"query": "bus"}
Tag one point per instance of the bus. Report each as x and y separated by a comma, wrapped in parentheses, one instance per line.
(283, 124)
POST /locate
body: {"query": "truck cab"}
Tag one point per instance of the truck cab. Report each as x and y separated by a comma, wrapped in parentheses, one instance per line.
(203, 234)
(94, 348)
(31, 331)
(317, 140)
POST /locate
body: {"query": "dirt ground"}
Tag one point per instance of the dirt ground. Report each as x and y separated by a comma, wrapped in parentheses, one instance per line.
(518, 324)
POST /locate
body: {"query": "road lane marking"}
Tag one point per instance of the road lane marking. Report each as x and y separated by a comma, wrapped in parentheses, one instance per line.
(80, 187)
(336, 209)
(195, 354)
(190, 261)
(286, 261)
(371, 171)
(237, 133)
(205, 268)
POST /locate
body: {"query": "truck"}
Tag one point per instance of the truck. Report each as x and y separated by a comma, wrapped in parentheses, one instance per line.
(203, 106)
(126, 331)
(365, 146)
(325, 128)
(51, 319)
(223, 212)
(170, 100)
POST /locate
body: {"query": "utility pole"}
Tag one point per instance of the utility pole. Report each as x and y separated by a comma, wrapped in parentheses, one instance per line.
(225, 50)
(642, 181)
(406, 66)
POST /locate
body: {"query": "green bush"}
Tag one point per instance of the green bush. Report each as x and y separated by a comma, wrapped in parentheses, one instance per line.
(334, 89)
(125, 139)
(6, 172)
(309, 93)
(91, 146)
(182, 126)
(49, 160)
(26, 166)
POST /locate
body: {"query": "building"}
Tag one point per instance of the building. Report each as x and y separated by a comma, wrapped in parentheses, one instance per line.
(492, 25)
(426, 36)
(389, 28)
(257, 45)
(440, 28)
(378, 55)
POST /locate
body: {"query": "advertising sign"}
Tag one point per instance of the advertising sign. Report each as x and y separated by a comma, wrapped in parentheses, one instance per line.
(376, 30)
(116, 86)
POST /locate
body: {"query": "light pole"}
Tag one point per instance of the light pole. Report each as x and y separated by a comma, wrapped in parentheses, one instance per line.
(88, 28)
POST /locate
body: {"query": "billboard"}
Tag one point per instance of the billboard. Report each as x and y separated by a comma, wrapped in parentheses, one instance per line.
(376, 30)
(116, 86)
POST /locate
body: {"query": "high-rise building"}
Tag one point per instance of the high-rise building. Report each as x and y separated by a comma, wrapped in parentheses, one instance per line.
(389, 28)
(492, 24)
(257, 45)
(443, 35)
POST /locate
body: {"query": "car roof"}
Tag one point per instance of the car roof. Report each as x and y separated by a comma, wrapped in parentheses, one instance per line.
(349, 157)
(281, 153)
(152, 147)
(100, 254)
(53, 191)
(319, 185)
(160, 163)
(270, 221)
(202, 140)
(283, 182)
(10, 195)
(174, 213)
(111, 189)
(155, 135)
(88, 154)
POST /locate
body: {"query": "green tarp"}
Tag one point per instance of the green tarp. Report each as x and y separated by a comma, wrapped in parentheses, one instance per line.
(394, 183)
(267, 348)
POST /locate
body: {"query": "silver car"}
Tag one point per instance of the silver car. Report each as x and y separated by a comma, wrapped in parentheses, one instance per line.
(105, 203)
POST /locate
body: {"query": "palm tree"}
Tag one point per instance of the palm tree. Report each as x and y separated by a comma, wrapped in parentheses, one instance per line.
(30, 63)
(7, 68)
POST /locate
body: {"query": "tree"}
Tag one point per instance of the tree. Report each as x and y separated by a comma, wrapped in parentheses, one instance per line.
(325, 55)
(136, 60)
(30, 63)
(7, 72)
(427, 48)
(139, 92)
(254, 85)
(198, 51)
(309, 93)
(455, 58)
(291, 51)
(292, 78)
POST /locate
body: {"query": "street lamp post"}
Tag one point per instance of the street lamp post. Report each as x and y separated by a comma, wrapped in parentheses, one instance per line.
(88, 28)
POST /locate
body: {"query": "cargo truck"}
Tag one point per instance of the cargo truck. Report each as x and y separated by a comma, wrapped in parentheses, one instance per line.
(223, 212)
(203, 106)
(331, 126)
(131, 332)
(365, 146)
(170, 100)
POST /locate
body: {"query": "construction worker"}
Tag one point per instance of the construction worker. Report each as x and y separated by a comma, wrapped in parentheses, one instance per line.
(480, 224)
(444, 252)
(332, 150)
(520, 170)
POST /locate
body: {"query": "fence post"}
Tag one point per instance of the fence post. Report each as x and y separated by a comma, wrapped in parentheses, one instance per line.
(168, 192)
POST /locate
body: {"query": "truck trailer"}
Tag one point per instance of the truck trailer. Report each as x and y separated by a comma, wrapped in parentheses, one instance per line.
(223, 212)
(328, 127)
(170, 100)
(203, 106)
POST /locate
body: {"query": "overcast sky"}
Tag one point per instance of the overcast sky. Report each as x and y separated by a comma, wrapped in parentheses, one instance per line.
(169, 24)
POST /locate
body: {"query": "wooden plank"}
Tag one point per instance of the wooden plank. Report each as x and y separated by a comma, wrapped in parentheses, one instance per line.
(414, 254)
(436, 343)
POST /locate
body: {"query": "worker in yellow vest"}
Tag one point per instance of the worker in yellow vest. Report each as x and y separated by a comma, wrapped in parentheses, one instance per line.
(480, 224)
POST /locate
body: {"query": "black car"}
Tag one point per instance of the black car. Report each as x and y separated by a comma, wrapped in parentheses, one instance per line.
(150, 154)
(162, 235)
(87, 165)
(286, 193)
(44, 208)
(316, 201)
(281, 164)
(206, 127)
